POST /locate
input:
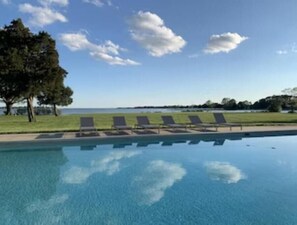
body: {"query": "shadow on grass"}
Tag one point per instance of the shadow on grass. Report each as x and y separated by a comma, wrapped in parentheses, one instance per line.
(116, 133)
(49, 136)
(143, 132)
(177, 131)
(91, 134)
(202, 130)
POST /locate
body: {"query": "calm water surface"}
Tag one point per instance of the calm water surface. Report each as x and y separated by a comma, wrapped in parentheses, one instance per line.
(71, 111)
(214, 182)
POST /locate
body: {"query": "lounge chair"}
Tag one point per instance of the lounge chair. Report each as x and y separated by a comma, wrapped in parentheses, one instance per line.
(144, 123)
(168, 121)
(197, 123)
(87, 125)
(221, 121)
(119, 123)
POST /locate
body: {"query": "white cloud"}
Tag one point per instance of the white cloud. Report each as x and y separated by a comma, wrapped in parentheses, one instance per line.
(224, 171)
(76, 41)
(110, 164)
(53, 2)
(157, 178)
(98, 3)
(149, 31)
(107, 52)
(5, 2)
(41, 16)
(223, 42)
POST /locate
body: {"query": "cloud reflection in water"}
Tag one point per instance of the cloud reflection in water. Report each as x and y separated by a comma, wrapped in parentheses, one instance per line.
(110, 164)
(157, 178)
(224, 172)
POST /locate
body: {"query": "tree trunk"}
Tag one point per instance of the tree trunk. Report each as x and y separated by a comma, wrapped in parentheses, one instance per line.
(8, 108)
(30, 110)
(55, 110)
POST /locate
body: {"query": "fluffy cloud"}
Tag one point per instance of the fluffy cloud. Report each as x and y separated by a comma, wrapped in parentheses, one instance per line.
(224, 171)
(52, 2)
(149, 31)
(157, 178)
(109, 165)
(41, 16)
(107, 52)
(224, 42)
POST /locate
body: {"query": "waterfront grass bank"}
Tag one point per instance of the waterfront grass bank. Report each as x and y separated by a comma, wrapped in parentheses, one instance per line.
(19, 124)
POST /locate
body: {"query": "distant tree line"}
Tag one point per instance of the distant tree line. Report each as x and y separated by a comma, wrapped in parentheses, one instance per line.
(275, 103)
(29, 69)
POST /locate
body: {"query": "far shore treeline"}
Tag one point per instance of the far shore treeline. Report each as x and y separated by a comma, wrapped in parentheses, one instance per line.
(29, 69)
(274, 103)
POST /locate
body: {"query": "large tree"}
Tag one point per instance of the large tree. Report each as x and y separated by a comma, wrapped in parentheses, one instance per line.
(42, 69)
(56, 94)
(37, 63)
(292, 92)
(13, 51)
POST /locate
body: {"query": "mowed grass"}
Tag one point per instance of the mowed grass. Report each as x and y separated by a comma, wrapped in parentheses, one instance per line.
(20, 124)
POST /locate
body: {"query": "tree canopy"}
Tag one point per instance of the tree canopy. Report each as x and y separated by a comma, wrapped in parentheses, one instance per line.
(29, 68)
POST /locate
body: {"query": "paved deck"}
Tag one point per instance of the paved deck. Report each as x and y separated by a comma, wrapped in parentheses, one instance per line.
(37, 137)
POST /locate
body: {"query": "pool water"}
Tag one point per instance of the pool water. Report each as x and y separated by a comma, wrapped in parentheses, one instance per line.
(207, 182)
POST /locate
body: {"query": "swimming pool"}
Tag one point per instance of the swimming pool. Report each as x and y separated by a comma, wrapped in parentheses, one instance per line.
(185, 181)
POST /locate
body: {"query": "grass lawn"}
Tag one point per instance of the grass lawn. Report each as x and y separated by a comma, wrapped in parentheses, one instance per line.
(19, 124)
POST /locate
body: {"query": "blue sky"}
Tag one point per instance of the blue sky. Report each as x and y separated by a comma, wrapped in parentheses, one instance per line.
(132, 53)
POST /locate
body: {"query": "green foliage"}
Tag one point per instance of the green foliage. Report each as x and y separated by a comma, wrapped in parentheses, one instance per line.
(230, 104)
(275, 106)
(225, 101)
(13, 54)
(29, 66)
(244, 105)
(55, 95)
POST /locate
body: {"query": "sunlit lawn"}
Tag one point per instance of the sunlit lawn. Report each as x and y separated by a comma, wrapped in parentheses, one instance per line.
(19, 124)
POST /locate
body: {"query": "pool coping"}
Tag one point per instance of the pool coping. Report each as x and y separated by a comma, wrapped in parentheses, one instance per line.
(9, 141)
